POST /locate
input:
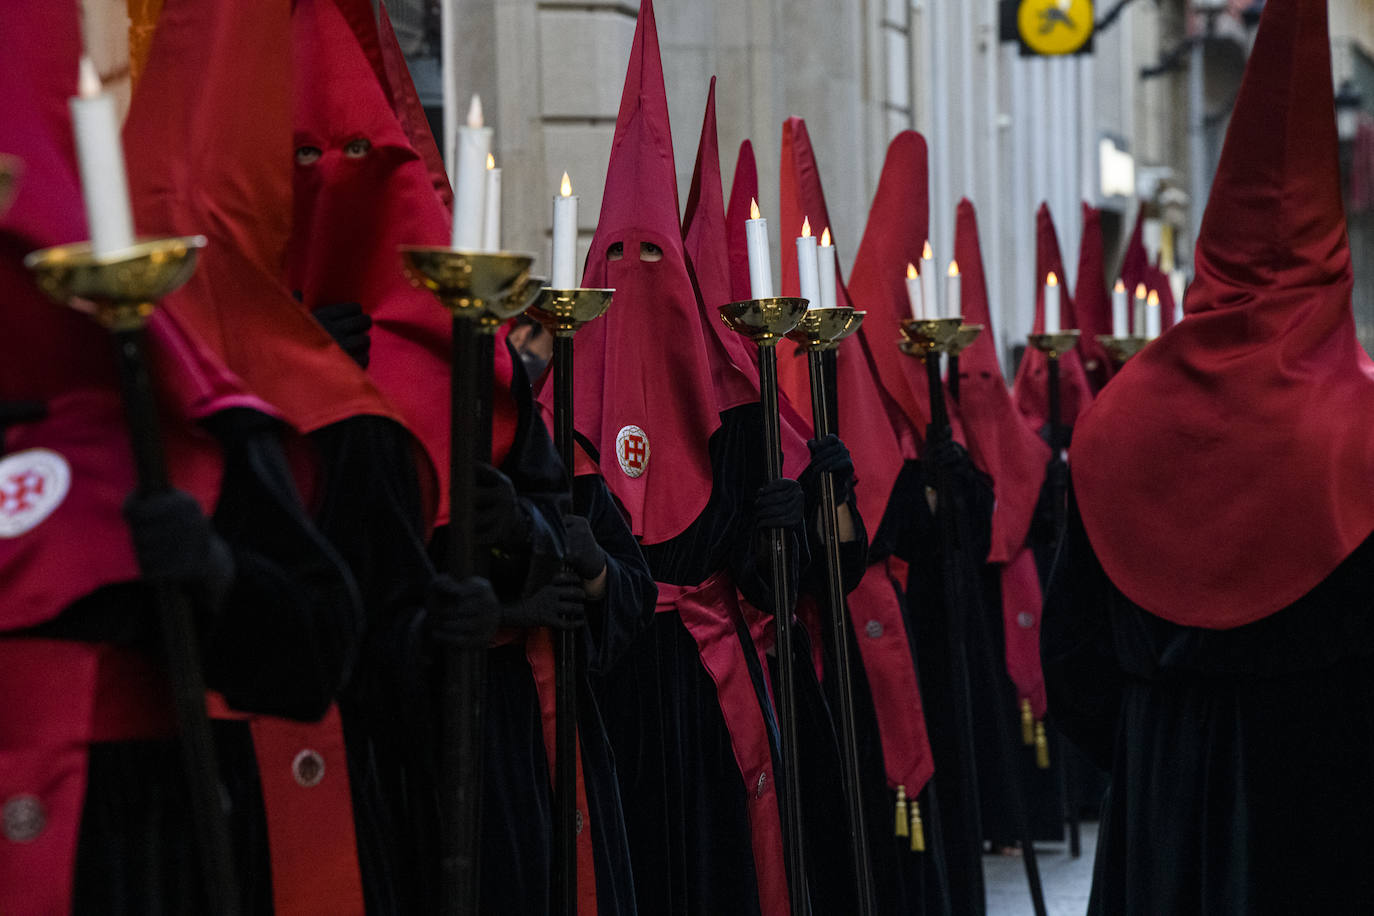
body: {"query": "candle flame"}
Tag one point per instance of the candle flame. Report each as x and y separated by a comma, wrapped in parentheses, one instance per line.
(1154, 298)
(1052, 279)
(954, 268)
(88, 79)
(475, 111)
(491, 162)
(565, 188)
(928, 254)
(911, 271)
(806, 227)
(1120, 286)
(753, 208)
(825, 238)
(1140, 290)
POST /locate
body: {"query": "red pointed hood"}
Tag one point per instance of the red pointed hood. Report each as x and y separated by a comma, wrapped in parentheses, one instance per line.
(743, 189)
(66, 476)
(734, 360)
(1226, 470)
(999, 439)
(1031, 389)
(871, 424)
(645, 394)
(895, 236)
(1136, 269)
(1165, 288)
(353, 208)
(1092, 300)
(208, 140)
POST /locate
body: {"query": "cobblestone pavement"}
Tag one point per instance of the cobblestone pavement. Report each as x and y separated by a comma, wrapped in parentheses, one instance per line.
(1067, 881)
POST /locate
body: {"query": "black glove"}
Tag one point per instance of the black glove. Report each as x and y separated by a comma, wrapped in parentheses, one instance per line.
(349, 325)
(944, 452)
(562, 605)
(501, 519)
(176, 543)
(779, 504)
(463, 613)
(829, 456)
(580, 549)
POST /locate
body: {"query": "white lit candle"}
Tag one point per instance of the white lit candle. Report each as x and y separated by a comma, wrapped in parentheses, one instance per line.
(491, 232)
(1052, 304)
(1138, 326)
(470, 181)
(1120, 320)
(954, 292)
(826, 270)
(760, 258)
(808, 266)
(929, 296)
(913, 292)
(564, 268)
(100, 156)
(1152, 315)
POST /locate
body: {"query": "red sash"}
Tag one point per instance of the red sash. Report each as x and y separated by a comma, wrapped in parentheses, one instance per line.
(59, 698)
(303, 769)
(876, 615)
(709, 611)
(539, 653)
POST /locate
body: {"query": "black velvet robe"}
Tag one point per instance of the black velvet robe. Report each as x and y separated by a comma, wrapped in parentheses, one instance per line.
(1240, 759)
(911, 532)
(282, 645)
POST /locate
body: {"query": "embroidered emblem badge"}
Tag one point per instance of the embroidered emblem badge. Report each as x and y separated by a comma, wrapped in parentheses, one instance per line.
(33, 484)
(308, 768)
(632, 450)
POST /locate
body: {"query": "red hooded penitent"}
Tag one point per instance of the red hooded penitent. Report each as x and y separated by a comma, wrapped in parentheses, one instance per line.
(1031, 389)
(1225, 472)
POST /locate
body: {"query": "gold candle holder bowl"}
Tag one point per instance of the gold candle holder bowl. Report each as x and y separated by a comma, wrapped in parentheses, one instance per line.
(121, 289)
(921, 336)
(764, 321)
(964, 339)
(1122, 348)
(564, 311)
(823, 329)
(1055, 345)
(853, 327)
(495, 284)
(9, 178)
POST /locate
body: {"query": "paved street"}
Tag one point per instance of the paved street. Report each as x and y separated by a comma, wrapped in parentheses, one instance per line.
(1067, 881)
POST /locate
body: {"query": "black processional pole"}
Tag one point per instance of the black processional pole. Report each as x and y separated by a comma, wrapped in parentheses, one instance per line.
(927, 339)
(563, 312)
(480, 290)
(765, 321)
(819, 333)
(124, 288)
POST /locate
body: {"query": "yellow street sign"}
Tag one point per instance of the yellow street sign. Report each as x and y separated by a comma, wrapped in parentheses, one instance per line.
(1055, 27)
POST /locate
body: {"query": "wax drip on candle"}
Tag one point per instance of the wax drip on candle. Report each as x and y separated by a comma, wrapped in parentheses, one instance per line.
(475, 111)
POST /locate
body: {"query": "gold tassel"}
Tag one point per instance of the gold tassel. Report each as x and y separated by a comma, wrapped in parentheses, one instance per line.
(918, 830)
(1042, 747)
(901, 811)
(1027, 724)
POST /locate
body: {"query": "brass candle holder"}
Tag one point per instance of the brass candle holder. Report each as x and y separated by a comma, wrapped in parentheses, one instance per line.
(764, 321)
(563, 312)
(1122, 348)
(1055, 345)
(118, 290)
(922, 336)
(967, 334)
(489, 287)
(819, 330)
(9, 177)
